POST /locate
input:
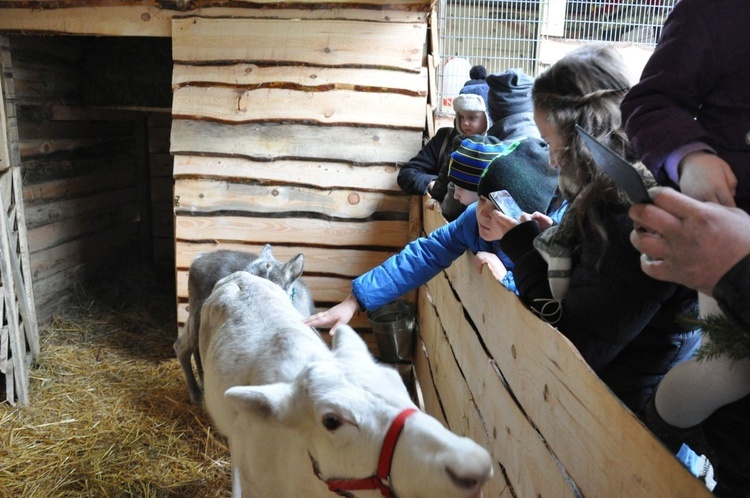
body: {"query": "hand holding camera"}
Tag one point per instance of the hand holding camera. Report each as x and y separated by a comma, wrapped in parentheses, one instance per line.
(505, 203)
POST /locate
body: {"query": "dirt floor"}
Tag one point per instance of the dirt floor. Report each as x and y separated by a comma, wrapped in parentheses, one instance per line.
(109, 414)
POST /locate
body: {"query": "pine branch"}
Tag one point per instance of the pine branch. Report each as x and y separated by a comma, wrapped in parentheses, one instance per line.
(725, 337)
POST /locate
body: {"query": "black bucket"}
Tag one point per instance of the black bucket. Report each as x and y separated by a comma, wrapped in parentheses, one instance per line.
(393, 325)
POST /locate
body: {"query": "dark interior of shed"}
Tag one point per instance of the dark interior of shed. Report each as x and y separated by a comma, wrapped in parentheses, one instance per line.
(94, 118)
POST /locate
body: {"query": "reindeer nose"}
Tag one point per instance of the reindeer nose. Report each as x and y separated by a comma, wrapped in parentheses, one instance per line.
(471, 480)
(472, 471)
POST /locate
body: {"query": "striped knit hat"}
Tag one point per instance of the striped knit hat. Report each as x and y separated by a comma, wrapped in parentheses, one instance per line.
(470, 158)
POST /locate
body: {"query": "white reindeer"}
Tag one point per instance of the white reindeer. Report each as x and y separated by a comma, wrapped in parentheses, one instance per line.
(209, 268)
(303, 420)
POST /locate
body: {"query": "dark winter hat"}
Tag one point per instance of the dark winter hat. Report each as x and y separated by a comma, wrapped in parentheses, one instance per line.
(523, 170)
(478, 72)
(470, 159)
(510, 93)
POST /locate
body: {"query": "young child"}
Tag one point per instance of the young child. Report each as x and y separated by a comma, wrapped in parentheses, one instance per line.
(475, 229)
(427, 172)
(467, 164)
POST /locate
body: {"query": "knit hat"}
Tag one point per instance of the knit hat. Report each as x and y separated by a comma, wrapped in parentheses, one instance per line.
(469, 102)
(470, 159)
(478, 72)
(523, 170)
(510, 93)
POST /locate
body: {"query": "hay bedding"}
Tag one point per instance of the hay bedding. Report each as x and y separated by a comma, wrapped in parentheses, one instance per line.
(109, 414)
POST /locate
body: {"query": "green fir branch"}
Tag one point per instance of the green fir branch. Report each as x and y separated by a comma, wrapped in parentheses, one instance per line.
(725, 337)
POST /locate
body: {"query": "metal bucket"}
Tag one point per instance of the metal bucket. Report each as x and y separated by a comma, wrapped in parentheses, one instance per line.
(393, 325)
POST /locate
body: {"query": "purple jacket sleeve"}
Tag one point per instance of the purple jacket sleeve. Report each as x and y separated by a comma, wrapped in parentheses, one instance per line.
(694, 89)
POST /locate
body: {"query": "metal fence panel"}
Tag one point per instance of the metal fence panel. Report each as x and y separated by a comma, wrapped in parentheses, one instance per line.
(503, 34)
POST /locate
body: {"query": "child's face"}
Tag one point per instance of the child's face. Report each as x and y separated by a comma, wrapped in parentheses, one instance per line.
(493, 225)
(471, 123)
(464, 196)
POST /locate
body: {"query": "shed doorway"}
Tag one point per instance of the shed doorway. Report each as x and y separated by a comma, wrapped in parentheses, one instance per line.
(91, 118)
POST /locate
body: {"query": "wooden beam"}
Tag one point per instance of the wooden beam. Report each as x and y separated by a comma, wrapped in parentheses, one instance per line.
(341, 107)
(328, 43)
(314, 77)
(360, 145)
(322, 174)
(382, 234)
(206, 196)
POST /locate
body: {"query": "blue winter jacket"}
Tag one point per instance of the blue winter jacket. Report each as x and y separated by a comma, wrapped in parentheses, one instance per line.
(422, 259)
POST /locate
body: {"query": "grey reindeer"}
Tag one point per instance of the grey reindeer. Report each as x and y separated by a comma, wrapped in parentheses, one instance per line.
(209, 268)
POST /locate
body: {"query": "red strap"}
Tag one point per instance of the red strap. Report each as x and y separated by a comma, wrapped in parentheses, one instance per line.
(389, 444)
(380, 479)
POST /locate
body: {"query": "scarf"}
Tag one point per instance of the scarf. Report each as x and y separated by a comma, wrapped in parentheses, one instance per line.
(556, 244)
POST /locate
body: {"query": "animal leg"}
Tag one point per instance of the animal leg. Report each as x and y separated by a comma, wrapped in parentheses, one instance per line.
(184, 347)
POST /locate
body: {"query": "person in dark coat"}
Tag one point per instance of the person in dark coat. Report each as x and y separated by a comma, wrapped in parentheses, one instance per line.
(688, 117)
(510, 107)
(677, 236)
(420, 175)
(583, 275)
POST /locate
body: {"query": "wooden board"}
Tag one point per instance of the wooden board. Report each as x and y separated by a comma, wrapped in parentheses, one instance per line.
(324, 174)
(152, 19)
(360, 145)
(334, 261)
(370, 234)
(330, 43)
(206, 196)
(479, 404)
(571, 408)
(311, 77)
(339, 107)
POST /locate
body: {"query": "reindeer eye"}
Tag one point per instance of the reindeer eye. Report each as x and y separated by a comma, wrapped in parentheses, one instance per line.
(331, 421)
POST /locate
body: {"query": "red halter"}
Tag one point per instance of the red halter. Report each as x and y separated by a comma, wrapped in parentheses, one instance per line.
(380, 480)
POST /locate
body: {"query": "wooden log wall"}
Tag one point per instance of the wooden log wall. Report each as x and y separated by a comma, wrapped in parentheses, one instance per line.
(495, 372)
(293, 136)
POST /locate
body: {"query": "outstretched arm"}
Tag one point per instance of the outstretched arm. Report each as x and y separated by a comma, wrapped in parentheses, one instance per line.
(340, 314)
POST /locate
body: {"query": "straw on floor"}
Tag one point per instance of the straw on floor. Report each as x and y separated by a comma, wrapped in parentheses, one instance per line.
(109, 414)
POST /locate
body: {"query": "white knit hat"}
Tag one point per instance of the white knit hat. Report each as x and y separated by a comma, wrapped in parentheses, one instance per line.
(469, 102)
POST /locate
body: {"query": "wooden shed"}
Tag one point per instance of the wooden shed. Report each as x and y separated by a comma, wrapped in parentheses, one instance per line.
(155, 131)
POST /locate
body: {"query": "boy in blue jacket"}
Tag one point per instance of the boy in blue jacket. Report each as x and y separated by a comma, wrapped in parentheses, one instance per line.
(531, 186)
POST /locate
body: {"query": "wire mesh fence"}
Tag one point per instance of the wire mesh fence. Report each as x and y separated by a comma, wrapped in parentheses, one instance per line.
(503, 34)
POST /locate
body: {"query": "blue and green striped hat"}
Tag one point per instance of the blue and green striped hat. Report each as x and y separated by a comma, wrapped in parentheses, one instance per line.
(470, 159)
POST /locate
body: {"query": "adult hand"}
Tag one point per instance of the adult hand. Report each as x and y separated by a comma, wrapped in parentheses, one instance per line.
(707, 177)
(687, 241)
(341, 314)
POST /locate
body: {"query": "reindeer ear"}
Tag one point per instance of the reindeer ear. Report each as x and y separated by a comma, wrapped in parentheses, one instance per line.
(347, 343)
(292, 269)
(266, 401)
(266, 252)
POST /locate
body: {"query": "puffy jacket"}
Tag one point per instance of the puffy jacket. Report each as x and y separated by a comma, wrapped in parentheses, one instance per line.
(694, 88)
(421, 260)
